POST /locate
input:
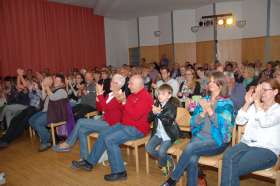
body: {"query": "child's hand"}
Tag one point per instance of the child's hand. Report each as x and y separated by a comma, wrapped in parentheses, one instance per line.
(156, 110)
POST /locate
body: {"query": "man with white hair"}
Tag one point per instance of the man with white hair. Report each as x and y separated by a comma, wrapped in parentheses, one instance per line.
(112, 114)
(134, 125)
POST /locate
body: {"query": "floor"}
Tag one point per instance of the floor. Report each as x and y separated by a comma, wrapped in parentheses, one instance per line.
(24, 166)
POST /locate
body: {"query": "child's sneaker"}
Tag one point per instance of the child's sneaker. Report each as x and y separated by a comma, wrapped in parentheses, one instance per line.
(170, 165)
(164, 171)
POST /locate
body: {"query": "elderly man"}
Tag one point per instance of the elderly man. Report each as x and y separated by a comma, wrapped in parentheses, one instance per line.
(134, 126)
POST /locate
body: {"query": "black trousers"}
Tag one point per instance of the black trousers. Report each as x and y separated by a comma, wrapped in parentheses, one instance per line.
(18, 124)
(80, 110)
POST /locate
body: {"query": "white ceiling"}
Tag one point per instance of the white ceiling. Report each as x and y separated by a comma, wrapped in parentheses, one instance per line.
(126, 9)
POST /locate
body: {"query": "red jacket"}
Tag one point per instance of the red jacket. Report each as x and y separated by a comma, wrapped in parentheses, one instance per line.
(136, 110)
(112, 111)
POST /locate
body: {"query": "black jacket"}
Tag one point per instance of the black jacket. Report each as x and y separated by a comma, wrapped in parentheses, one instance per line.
(167, 117)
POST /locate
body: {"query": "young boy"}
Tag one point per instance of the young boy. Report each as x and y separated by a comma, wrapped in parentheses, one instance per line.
(165, 130)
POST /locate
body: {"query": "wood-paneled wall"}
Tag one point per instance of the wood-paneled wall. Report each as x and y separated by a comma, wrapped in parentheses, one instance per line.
(167, 49)
(274, 48)
(185, 52)
(205, 52)
(239, 50)
(150, 53)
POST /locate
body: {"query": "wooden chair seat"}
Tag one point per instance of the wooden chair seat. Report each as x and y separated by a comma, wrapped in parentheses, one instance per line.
(178, 148)
(91, 114)
(271, 173)
(138, 142)
(212, 161)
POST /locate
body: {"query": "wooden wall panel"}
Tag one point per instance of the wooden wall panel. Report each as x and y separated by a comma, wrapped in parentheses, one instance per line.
(168, 51)
(275, 48)
(253, 49)
(230, 50)
(150, 53)
(239, 50)
(185, 52)
(205, 52)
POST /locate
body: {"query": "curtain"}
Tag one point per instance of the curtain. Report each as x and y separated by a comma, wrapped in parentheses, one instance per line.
(37, 34)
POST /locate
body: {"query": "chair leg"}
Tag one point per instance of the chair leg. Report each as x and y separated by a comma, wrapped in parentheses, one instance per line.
(219, 172)
(147, 163)
(128, 150)
(89, 143)
(136, 158)
(30, 132)
(53, 135)
(277, 180)
(181, 179)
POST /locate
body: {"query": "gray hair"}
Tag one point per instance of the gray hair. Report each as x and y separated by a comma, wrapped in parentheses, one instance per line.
(119, 79)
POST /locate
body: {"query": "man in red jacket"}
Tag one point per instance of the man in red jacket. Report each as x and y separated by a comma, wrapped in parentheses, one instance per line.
(134, 125)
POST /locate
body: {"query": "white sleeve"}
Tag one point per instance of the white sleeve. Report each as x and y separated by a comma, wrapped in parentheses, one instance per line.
(243, 117)
(268, 119)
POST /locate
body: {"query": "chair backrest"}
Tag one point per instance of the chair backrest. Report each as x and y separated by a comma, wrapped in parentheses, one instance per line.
(234, 135)
(240, 132)
(183, 118)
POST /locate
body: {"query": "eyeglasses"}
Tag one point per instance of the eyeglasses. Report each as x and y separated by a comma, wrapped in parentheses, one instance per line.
(267, 89)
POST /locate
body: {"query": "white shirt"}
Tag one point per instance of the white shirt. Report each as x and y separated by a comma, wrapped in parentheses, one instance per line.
(262, 128)
(173, 83)
(161, 133)
(110, 97)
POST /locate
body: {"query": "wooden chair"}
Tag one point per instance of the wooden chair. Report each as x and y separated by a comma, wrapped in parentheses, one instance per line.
(52, 127)
(31, 132)
(183, 121)
(272, 173)
(134, 144)
(216, 161)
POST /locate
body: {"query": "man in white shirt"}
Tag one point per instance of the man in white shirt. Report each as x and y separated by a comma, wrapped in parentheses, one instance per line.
(166, 79)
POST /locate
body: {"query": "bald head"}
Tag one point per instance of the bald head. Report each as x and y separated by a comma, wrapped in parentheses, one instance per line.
(136, 83)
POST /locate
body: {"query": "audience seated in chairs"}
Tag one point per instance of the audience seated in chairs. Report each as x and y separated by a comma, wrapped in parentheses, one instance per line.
(260, 146)
(20, 121)
(165, 130)
(17, 99)
(39, 121)
(87, 103)
(112, 114)
(134, 125)
(212, 124)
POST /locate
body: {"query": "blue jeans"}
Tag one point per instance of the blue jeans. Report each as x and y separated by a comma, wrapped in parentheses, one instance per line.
(242, 159)
(190, 156)
(82, 129)
(110, 140)
(160, 154)
(39, 123)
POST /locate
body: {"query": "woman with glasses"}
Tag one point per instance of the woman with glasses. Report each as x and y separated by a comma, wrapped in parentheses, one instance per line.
(188, 87)
(260, 145)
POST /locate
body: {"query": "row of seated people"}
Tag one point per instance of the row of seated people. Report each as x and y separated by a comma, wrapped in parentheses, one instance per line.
(212, 122)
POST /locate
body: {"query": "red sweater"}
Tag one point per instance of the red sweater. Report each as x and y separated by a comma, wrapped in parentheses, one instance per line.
(112, 111)
(136, 110)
